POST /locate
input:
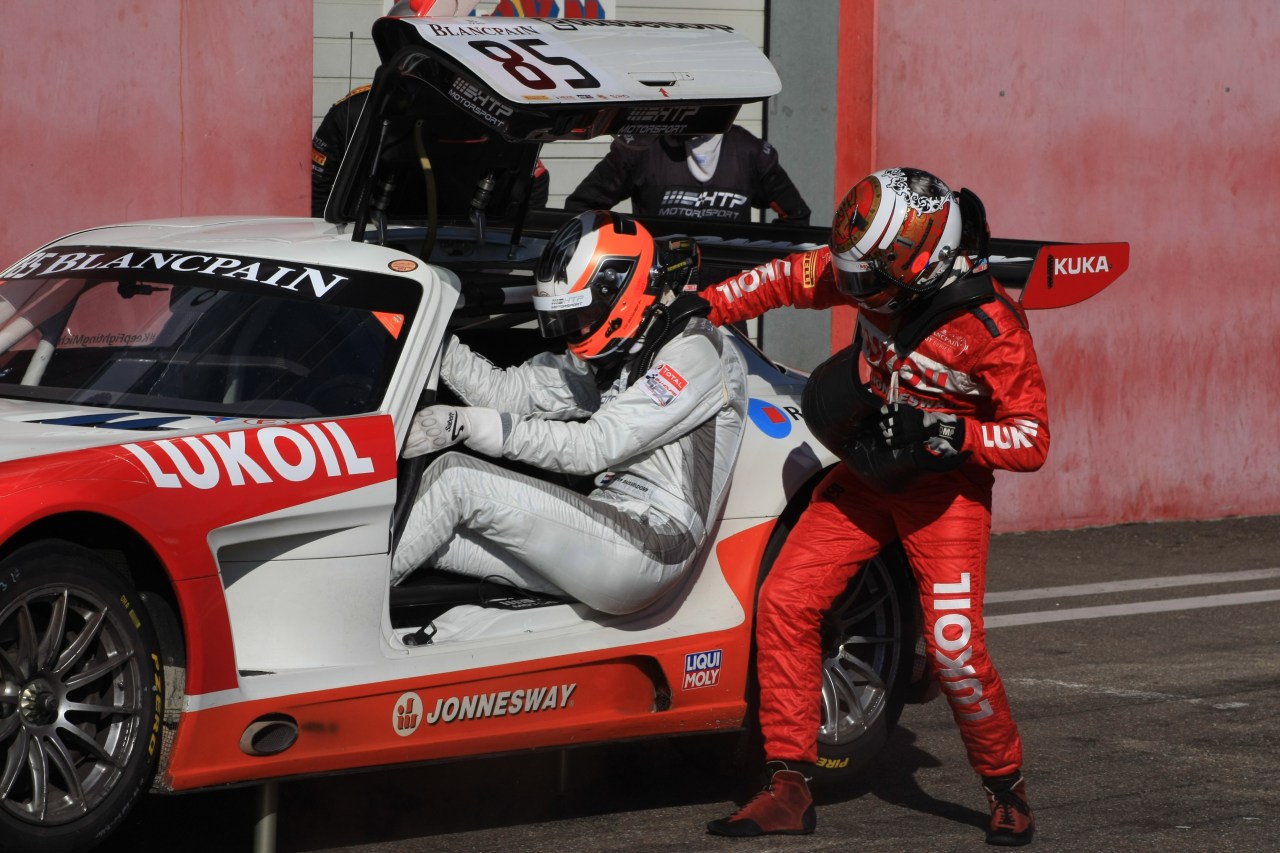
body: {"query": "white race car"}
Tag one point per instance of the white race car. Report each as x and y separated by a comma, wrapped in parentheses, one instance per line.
(201, 484)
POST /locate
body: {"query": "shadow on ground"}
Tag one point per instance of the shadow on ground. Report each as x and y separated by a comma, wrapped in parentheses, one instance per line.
(443, 799)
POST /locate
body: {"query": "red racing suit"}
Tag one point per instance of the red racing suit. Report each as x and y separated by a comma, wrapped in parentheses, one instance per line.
(978, 364)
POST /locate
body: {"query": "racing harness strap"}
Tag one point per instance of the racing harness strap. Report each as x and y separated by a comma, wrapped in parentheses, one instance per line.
(920, 320)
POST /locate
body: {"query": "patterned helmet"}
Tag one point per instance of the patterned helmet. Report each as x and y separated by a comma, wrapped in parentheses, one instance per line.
(895, 236)
(595, 282)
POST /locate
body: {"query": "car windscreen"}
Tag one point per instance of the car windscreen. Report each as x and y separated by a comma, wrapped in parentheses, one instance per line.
(189, 343)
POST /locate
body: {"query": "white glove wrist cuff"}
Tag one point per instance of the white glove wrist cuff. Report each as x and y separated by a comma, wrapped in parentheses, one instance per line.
(484, 431)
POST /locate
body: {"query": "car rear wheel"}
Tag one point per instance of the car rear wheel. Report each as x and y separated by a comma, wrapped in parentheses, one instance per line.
(869, 639)
(81, 696)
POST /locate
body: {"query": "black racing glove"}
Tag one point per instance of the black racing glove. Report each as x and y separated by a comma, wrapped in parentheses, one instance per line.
(901, 426)
(936, 439)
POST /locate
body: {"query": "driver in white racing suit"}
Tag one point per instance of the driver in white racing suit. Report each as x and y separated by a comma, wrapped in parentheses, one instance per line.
(650, 399)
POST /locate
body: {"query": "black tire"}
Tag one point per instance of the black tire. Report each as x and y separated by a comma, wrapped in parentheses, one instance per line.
(81, 699)
(869, 649)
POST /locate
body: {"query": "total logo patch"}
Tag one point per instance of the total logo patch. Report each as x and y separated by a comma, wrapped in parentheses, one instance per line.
(702, 669)
(772, 420)
(407, 715)
(663, 384)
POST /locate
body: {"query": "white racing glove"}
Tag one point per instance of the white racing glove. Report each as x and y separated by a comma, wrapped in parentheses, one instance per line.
(437, 427)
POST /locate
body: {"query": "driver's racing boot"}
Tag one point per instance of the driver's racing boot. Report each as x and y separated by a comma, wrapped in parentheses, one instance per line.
(1012, 822)
(784, 807)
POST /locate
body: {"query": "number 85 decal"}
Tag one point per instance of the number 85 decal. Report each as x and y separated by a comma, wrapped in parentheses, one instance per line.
(519, 65)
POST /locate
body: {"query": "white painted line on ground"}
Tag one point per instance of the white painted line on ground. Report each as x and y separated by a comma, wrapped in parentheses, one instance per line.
(1163, 606)
(1130, 585)
(1102, 690)
(1121, 693)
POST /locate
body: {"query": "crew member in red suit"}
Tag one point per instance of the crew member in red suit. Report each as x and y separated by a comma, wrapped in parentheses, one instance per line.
(955, 392)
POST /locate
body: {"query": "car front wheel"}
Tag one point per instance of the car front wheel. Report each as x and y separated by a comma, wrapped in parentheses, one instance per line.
(81, 695)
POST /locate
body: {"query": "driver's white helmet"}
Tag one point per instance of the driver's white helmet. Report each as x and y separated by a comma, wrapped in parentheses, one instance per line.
(895, 236)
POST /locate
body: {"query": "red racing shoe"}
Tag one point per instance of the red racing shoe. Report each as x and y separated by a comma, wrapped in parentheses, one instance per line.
(784, 807)
(1012, 821)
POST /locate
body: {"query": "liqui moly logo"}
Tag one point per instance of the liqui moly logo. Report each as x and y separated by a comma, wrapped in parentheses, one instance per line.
(293, 453)
(952, 635)
(407, 715)
(702, 669)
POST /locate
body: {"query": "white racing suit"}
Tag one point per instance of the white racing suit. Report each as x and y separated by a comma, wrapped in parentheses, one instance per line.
(663, 448)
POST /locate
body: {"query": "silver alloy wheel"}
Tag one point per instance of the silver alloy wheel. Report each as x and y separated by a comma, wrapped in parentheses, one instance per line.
(73, 688)
(863, 652)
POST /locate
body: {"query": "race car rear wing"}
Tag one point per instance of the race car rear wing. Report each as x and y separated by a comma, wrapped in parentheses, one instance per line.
(1049, 274)
(1045, 274)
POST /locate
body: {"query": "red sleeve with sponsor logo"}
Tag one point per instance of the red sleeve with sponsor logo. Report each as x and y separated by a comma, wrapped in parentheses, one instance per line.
(1017, 438)
(801, 280)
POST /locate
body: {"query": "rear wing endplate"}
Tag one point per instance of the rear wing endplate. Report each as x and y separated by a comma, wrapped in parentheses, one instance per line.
(1061, 274)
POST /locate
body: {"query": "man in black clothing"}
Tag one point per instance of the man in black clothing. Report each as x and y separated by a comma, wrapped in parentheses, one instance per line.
(330, 143)
(717, 178)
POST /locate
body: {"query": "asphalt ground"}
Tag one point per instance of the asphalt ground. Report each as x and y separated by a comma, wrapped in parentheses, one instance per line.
(1142, 661)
